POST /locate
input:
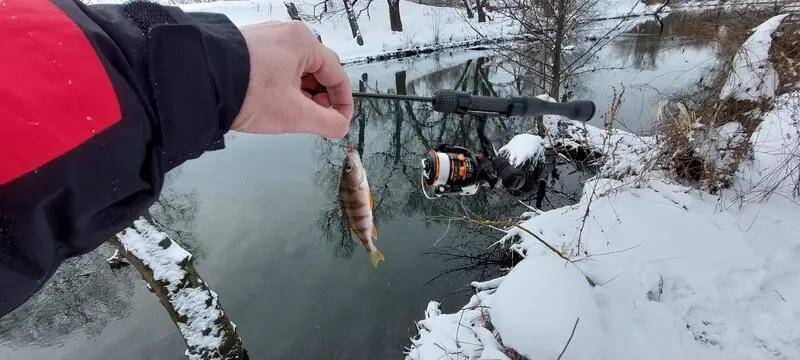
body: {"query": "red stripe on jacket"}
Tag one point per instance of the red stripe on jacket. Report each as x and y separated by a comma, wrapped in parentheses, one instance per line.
(54, 92)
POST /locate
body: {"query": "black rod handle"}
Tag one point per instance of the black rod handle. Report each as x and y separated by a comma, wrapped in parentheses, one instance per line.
(460, 102)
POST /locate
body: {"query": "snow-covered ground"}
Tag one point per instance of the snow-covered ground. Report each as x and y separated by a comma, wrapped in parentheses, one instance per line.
(680, 273)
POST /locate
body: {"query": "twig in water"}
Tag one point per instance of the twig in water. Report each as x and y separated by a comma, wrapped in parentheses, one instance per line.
(779, 294)
(570, 338)
(445, 232)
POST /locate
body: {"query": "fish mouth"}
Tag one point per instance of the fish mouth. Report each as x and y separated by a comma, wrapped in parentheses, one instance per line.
(350, 148)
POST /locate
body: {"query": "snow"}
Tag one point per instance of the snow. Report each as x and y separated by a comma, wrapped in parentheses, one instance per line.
(143, 242)
(752, 76)
(458, 335)
(425, 28)
(773, 168)
(717, 145)
(196, 304)
(680, 273)
(422, 25)
(523, 148)
(538, 304)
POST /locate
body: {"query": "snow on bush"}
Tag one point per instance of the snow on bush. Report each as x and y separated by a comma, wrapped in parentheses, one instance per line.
(523, 148)
(459, 335)
(537, 306)
(717, 146)
(752, 76)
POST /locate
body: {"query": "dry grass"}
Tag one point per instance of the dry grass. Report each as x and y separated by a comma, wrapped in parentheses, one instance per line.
(685, 135)
(698, 150)
(785, 54)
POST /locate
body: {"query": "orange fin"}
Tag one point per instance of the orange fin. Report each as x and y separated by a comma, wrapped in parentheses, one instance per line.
(370, 200)
(374, 257)
(374, 231)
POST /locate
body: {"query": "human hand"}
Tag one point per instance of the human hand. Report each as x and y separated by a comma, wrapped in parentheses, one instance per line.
(286, 57)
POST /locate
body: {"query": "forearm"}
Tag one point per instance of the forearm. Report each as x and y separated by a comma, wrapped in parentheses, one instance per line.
(110, 99)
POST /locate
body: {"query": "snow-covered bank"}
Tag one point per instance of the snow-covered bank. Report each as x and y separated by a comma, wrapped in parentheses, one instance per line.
(684, 274)
(680, 273)
(702, 5)
(425, 28)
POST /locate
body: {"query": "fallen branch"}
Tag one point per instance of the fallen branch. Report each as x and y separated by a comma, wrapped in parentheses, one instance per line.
(169, 271)
(570, 338)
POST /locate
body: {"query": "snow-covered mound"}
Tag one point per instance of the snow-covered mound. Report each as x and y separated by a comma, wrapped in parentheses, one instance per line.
(753, 77)
(537, 306)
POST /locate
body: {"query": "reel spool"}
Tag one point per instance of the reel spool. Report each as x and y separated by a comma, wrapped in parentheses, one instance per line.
(450, 171)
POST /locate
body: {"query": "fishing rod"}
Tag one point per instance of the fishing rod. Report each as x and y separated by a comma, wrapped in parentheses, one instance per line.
(454, 170)
(460, 102)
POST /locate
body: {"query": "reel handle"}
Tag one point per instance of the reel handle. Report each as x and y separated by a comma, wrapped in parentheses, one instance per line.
(512, 178)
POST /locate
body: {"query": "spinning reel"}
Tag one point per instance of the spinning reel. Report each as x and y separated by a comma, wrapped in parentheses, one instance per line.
(454, 170)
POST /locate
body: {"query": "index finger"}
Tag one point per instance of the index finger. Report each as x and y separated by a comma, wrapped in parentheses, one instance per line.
(329, 72)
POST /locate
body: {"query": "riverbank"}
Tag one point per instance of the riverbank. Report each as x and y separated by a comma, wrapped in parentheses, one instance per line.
(679, 273)
(426, 29)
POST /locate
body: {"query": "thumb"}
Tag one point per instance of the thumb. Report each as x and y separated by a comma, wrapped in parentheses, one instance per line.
(317, 119)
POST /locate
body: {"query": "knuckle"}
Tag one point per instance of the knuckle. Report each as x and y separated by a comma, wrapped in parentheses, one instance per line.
(296, 27)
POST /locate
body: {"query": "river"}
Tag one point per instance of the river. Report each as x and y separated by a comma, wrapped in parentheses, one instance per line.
(261, 218)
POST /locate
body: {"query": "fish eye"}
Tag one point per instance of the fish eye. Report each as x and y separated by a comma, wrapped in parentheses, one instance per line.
(348, 168)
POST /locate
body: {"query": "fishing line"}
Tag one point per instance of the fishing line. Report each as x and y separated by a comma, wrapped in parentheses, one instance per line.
(281, 179)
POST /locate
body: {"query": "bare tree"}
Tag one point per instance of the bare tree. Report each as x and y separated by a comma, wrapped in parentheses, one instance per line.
(394, 15)
(291, 8)
(468, 7)
(353, 20)
(548, 26)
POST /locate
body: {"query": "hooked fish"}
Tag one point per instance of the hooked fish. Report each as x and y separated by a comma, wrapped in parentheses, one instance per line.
(355, 199)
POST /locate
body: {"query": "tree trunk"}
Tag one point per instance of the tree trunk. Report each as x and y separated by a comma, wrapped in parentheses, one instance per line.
(292, 10)
(351, 17)
(555, 84)
(362, 117)
(169, 272)
(555, 79)
(481, 11)
(468, 7)
(394, 15)
(400, 85)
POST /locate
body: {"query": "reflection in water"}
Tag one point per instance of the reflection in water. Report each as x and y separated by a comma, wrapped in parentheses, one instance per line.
(85, 294)
(82, 297)
(175, 212)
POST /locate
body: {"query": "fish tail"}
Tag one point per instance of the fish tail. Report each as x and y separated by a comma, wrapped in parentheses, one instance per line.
(374, 256)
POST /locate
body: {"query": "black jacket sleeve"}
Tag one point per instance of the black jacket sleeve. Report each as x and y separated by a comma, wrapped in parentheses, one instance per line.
(179, 78)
